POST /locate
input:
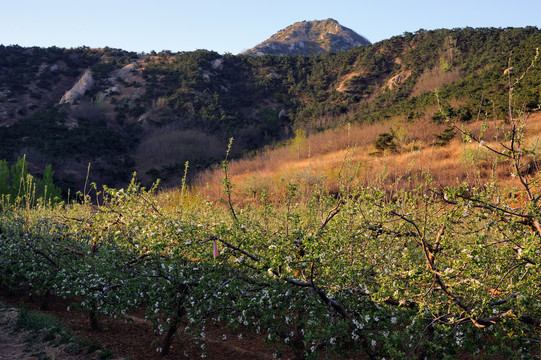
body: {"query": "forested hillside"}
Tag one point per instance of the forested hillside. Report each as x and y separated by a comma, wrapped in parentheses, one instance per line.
(151, 113)
(378, 203)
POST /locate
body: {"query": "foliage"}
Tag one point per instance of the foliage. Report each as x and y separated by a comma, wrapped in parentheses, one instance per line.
(385, 141)
(46, 132)
(18, 186)
(421, 273)
(260, 100)
(298, 144)
(447, 135)
(50, 327)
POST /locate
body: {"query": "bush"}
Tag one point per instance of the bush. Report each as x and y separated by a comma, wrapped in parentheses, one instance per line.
(444, 137)
(18, 186)
(386, 141)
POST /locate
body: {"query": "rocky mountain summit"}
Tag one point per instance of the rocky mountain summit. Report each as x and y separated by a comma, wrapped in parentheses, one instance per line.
(310, 38)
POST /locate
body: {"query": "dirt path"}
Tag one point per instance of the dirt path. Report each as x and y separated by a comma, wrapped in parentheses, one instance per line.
(21, 344)
(12, 346)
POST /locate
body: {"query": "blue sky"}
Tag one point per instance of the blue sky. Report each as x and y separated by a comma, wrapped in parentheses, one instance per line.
(231, 26)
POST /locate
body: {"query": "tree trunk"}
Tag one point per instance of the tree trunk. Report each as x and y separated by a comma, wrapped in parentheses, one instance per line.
(297, 345)
(45, 302)
(297, 340)
(93, 317)
(168, 338)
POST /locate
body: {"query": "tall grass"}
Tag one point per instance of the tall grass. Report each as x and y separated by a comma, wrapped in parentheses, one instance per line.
(433, 79)
(323, 154)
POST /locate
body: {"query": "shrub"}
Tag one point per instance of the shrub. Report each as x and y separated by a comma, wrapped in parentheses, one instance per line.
(17, 185)
(444, 137)
(386, 141)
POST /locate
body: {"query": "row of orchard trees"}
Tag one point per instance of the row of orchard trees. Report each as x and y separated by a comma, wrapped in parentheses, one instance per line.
(429, 273)
(421, 274)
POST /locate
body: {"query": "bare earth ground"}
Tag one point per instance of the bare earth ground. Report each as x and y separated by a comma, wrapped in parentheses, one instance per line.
(24, 345)
(12, 346)
(131, 341)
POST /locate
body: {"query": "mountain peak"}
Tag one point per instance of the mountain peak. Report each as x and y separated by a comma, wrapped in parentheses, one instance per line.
(310, 38)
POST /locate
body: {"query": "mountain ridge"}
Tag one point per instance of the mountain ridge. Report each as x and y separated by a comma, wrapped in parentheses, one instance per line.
(310, 38)
(151, 113)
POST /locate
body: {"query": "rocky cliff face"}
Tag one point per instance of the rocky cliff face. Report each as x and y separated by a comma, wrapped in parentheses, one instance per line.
(310, 38)
(85, 83)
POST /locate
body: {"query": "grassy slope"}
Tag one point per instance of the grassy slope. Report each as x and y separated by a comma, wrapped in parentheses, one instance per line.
(321, 158)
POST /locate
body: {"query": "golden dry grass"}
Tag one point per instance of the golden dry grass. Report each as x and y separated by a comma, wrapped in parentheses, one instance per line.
(434, 79)
(325, 156)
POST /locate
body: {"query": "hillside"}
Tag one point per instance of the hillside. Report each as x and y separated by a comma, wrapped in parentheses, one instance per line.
(324, 160)
(376, 203)
(309, 38)
(150, 113)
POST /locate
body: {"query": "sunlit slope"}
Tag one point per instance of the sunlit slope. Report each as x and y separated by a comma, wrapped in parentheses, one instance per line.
(327, 159)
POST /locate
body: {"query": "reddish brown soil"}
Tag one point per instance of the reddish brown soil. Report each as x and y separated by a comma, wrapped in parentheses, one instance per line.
(133, 340)
(18, 343)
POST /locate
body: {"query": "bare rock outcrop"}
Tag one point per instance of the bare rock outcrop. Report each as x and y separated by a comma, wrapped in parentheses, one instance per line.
(85, 83)
(397, 79)
(217, 64)
(125, 74)
(309, 38)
